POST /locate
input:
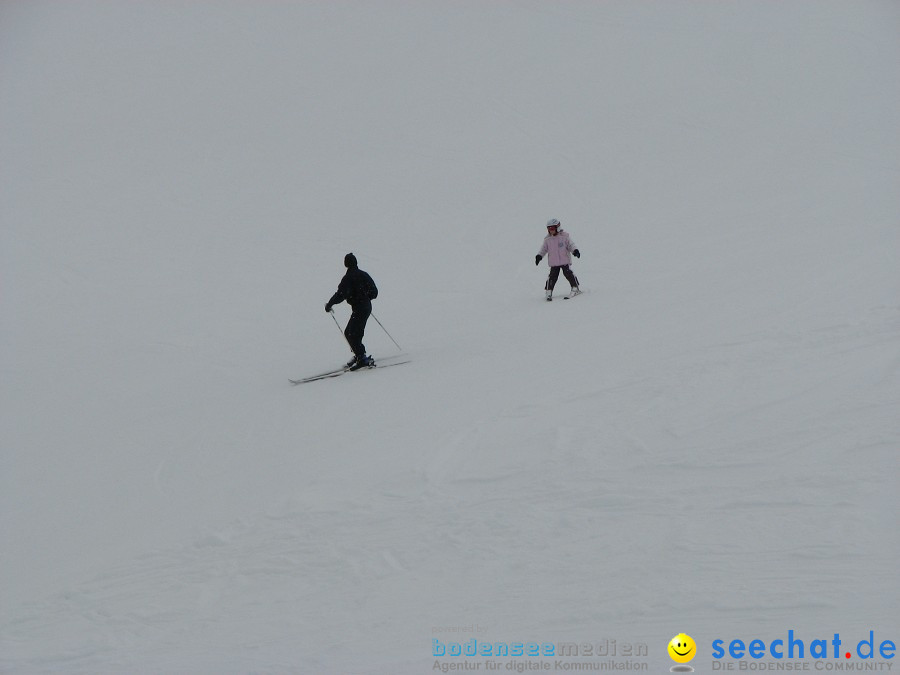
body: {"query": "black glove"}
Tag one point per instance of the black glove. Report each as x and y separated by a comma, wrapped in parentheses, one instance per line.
(537, 260)
(576, 253)
(327, 306)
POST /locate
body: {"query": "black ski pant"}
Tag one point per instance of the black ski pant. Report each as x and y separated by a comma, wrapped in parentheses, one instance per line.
(554, 275)
(356, 328)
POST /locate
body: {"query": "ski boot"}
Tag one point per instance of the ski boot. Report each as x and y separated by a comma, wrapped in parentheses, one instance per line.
(364, 361)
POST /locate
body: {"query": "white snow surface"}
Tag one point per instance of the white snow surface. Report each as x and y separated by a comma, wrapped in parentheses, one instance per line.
(704, 442)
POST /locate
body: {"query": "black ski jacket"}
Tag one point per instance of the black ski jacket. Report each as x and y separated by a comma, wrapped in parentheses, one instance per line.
(357, 288)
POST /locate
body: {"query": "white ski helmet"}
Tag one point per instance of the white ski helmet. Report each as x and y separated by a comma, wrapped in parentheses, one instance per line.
(553, 222)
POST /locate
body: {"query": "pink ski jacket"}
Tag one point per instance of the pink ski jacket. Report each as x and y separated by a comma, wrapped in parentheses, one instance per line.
(558, 249)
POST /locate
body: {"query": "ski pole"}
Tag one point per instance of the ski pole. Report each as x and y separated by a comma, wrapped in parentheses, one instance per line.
(386, 333)
(339, 328)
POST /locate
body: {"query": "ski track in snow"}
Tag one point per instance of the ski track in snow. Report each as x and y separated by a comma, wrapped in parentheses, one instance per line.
(474, 498)
(474, 511)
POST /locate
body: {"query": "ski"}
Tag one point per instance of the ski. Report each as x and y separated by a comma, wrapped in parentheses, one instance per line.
(565, 297)
(381, 366)
(383, 363)
(320, 376)
(344, 371)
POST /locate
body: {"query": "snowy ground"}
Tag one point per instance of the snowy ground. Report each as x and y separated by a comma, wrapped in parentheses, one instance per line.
(705, 442)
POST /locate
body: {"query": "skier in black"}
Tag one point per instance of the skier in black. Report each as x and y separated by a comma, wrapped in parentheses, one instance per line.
(358, 289)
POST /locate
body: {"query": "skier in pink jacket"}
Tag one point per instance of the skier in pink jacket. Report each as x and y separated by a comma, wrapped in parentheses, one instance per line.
(557, 247)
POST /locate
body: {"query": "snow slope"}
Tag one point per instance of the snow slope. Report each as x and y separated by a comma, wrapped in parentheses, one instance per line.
(704, 442)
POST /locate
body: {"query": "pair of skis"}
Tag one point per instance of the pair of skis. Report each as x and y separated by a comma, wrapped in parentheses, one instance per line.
(398, 360)
(569, 296)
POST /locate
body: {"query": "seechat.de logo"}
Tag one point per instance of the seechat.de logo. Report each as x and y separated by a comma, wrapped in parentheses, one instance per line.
(796, 647)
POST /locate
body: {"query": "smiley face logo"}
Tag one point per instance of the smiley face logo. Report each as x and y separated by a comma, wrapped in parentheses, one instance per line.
(682, 648)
